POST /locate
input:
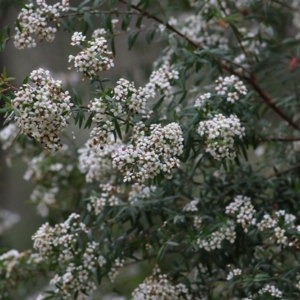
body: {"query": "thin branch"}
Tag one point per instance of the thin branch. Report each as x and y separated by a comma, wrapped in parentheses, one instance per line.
(158, 20)
(96, 12)
(289, 139)
(284, 171)
(109, 114)
(252, 81)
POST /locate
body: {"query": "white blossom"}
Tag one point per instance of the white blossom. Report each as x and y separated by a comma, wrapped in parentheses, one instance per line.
(34, 20)
(42, 111)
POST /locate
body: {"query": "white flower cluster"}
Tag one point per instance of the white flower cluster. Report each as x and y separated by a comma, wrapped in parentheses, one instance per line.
(96, 162)
(220, 133)
(59, 243)
(200, 101)
(75, 280)
(199, 30)
(76, 277)
(129, 98)
(197, 222)
(77, 38)
(272, 290)
(9, 260)
(94, 58)
(113, 273)
(7, 219)
(298, 283)
(226, 232)
(161, 80)
(15, 265)
(243, 210)
(48, 240)
(206, 4)
(150, 154)
(34, 20)
(234, 273)
(101, 31)
(296, 16)
(139, 191)
(250, 43)
(159, 287)
(45, 199)
(107, 197)
(8, 135)
(42, 111)
(252, 47)
(191, 206)
(45, 163)
(50, 172)
(230, 86)
(126, 99)
(269, 222)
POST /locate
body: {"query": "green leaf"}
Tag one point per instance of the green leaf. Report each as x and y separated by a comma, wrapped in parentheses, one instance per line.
(25, 81)
(139, 21)
(125, 22)
(113, 47)
(150, 33)
(172, 244)
(89, 121)
(6, 99)
(132, 38)
(96, 4)
(77, 98)
(158, 103)
(82, 5)
(19, 25)
(88, 20)
(20, 4)
(128, 5)
(118, 129)
(161, 252)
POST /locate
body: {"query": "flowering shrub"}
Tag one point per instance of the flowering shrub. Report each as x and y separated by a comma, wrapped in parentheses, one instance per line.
(192, 176)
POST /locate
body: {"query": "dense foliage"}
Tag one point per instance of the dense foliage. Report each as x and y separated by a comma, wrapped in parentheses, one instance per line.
(194, 175)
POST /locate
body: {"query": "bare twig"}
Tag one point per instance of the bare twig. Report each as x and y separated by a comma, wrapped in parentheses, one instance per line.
(285, 171)
(289, 139)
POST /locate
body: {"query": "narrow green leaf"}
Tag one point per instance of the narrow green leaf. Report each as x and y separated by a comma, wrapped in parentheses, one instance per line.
(82, 5)
(132, 38)
(161, 252)
(89, 121)
(158, 103)
(25, 81)
(20, 4)
(77, 97)
(118, 129)
(139, 21)
(113, 47)
(88, 20)
(128, 4)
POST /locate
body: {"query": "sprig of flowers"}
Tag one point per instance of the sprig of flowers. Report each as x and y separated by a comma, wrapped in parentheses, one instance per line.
(231, 87)
(95, 159)
(94, 58)
(42, 111)
(34, 20)
(243, 210)
(158, 285)
(151, 153)
(220, 133)
(215, 239)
